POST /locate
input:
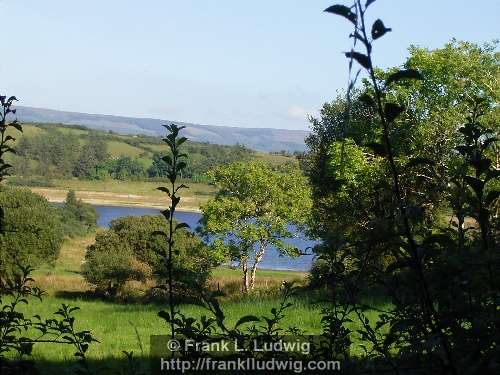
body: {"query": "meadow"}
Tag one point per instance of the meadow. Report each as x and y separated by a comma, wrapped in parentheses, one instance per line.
(129, 323)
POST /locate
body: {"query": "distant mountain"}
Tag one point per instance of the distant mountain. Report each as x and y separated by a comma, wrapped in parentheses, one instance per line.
(255, 138)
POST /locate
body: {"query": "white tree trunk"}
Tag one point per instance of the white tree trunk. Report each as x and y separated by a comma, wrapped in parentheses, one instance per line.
(258, 258)
(244, 267)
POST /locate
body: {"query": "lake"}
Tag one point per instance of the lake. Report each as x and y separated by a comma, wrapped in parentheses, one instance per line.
(272, 259)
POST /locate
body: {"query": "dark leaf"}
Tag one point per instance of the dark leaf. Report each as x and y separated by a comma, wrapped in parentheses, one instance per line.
(377, 148)
(487, 142)
(167, 159)
(379, 29)
(403, 74)
(414, 162)
(367, 99)
(181, 225)
(181, 165)
(492, 197)
(164, 189)
(180, 141)
(493, 173)
(246, 319)
(483, 165)
(463, 149)
(369, 2)
(343, 11)
(363, 60)
(392, 111)
(476, 184)
(17, 126)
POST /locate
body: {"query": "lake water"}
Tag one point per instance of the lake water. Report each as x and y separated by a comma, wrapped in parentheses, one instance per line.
(272, 259)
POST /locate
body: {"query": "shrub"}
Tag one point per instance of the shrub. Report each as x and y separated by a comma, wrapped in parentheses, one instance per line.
(33, 233)
(132, 240)
(78, 218)
(110, 263)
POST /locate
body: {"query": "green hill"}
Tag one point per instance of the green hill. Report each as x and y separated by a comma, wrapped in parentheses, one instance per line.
(63, 151)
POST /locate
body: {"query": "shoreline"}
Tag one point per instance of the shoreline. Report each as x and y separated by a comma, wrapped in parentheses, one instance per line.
(98, 198)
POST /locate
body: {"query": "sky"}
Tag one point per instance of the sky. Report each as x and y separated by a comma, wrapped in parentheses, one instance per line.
(259, 63)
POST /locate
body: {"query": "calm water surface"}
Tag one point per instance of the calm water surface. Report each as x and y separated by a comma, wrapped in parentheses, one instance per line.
(272, 259)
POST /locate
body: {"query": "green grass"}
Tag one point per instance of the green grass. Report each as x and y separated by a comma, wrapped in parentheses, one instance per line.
(117, 149)
(125, 327)
(128, 326)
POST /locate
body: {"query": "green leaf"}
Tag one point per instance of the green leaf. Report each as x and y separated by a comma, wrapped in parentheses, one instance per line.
(246, 319)
(379, 29)
(392, 111)
(362, 59)
(403, 74)
(343, 11)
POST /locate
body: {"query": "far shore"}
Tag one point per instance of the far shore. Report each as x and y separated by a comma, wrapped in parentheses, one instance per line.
(114, 199)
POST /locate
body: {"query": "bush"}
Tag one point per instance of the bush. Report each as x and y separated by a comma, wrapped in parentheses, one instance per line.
(131, 240)
(78, 218)
(30, 181)
(110, 263)
(33, 233)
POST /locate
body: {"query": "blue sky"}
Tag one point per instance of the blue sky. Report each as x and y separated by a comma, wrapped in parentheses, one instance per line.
(226, 62)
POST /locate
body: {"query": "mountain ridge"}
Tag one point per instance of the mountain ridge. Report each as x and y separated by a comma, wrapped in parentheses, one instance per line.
(262, 139)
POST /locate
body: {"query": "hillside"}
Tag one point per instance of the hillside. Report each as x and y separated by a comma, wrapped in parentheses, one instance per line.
(255, 138)
(63, 151)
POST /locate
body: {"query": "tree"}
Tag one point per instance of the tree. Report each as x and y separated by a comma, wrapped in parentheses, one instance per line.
(93, 154)
(33, 233)
(78, 218)
(110, 263)
(191, 265)
(252, 210)
(439, 281)
(126, 168)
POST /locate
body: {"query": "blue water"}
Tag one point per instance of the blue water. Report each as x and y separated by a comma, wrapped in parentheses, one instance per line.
(272, 259)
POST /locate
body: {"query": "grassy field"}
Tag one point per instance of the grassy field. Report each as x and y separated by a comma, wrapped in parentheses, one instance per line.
(128, 326)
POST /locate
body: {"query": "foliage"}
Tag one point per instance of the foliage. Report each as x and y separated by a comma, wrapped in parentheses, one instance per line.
(77, 218)
(32, 230)
(62, 151)
(89, 164)
(391, 235)
(176, 163)
(253, 209)
(203, 157)
(18, 332)
(193, 262)
(126, 168)
(110, 263)
(55, 153)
